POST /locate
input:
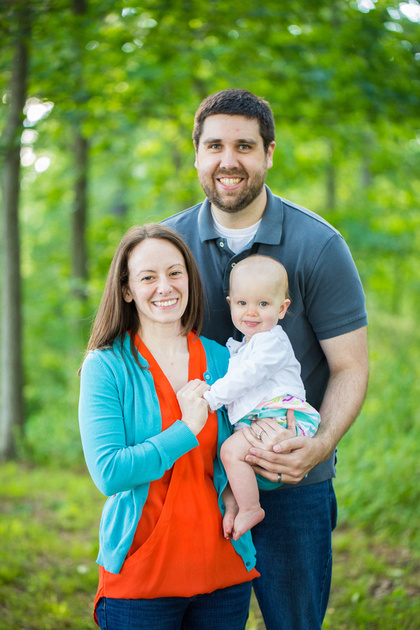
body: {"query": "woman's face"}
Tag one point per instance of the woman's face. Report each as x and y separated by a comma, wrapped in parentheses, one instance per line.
(157, 283)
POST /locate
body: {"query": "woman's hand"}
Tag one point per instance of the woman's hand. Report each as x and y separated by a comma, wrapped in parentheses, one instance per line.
(194, 408)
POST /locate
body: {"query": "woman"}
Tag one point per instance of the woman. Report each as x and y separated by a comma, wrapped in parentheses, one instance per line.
(152, 446)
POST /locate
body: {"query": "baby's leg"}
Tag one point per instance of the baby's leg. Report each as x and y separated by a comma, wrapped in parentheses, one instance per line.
(243, 483)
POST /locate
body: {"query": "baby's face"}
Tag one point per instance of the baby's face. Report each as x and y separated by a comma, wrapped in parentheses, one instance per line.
(256, 305)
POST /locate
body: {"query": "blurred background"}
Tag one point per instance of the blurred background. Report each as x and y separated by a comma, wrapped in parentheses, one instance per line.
(98, 99)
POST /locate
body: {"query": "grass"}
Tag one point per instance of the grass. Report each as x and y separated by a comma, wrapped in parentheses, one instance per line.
(48, 527)
(48, 576)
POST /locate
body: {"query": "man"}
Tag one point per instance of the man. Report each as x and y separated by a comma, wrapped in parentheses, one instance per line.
(234, 143)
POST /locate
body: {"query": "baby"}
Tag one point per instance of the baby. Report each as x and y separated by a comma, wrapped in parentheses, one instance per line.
(263, 378)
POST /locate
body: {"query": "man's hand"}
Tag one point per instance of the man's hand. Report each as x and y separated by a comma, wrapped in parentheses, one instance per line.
(293, 458)
(280, 451)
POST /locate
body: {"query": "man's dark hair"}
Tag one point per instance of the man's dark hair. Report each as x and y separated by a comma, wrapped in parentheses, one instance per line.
(236, 102)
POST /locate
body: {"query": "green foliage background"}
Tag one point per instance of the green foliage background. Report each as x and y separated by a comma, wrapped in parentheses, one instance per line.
(343, 79)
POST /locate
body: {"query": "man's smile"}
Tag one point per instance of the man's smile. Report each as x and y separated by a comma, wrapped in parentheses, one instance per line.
(230, 181)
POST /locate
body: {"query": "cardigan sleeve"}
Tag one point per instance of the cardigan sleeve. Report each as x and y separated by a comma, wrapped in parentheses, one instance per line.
(114, 464)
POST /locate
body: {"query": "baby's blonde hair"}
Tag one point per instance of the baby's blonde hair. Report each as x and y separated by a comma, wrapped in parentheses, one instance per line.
(263, 264)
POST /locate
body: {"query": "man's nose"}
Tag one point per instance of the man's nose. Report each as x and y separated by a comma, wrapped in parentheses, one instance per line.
(229, 159)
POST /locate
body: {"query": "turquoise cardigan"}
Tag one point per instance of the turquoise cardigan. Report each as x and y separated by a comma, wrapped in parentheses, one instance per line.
(124, 445)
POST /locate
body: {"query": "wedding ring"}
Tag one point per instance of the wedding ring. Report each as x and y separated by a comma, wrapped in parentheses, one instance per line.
(279, 477)
(260, 434)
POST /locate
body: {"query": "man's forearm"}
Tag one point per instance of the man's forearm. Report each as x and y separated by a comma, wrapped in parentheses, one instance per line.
(346, 390)
(341, 405)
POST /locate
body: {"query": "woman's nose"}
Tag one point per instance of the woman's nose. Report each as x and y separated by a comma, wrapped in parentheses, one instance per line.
(164, 286)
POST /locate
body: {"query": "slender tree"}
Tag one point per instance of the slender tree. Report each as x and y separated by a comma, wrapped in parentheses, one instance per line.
(81, 158)
(12, 417)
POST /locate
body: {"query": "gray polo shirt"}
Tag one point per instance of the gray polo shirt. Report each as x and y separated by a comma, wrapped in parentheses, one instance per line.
(326, 294)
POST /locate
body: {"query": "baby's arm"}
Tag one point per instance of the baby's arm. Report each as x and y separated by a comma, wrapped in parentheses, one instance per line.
(248, 371)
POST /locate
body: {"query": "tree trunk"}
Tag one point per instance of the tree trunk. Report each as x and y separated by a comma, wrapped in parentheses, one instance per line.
(81, 158)
(79, 215)
(331, 178)
(12, 416)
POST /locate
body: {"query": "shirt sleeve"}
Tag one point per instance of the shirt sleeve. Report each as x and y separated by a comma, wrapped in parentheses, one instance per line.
(334, 297)
(264, 356)
(114, 465)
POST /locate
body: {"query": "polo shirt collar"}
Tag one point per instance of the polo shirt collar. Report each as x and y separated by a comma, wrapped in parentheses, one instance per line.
(271, 226)
(269, 231)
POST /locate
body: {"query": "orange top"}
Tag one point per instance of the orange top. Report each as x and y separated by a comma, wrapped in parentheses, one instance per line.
(178, 548)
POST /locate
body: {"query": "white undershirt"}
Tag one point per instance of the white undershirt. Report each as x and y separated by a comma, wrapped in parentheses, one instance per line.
(237, 240)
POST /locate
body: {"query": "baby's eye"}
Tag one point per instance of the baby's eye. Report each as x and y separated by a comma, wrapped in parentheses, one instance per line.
(263, 303)
(241, 302)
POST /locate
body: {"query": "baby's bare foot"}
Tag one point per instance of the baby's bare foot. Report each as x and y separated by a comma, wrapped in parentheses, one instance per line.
(245, 520)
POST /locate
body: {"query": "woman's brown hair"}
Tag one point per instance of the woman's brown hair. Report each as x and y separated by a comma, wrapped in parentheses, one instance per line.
(115, 316)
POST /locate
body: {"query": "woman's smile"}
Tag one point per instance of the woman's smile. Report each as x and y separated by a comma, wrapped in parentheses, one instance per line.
(165, 303)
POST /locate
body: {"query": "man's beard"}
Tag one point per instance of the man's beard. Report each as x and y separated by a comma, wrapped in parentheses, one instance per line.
(237, 203)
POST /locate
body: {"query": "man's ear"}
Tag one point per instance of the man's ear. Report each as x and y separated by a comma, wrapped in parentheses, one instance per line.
(270, 152)
(196, 157)
(126, 294)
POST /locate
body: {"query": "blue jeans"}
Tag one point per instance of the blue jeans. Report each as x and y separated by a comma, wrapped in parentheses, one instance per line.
(294, 556)
(224, 609)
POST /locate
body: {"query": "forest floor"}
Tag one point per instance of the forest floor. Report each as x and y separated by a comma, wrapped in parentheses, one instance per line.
(49, 521)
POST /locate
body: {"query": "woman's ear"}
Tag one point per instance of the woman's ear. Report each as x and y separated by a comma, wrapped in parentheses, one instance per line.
(126, 294)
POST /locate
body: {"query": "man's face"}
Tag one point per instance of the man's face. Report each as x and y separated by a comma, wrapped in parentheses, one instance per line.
(231, 161)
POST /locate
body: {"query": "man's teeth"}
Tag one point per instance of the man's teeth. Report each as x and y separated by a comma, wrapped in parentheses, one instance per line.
(230, 181)
(166, 303)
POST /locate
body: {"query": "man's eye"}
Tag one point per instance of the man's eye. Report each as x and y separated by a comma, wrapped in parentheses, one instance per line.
(244, 147)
